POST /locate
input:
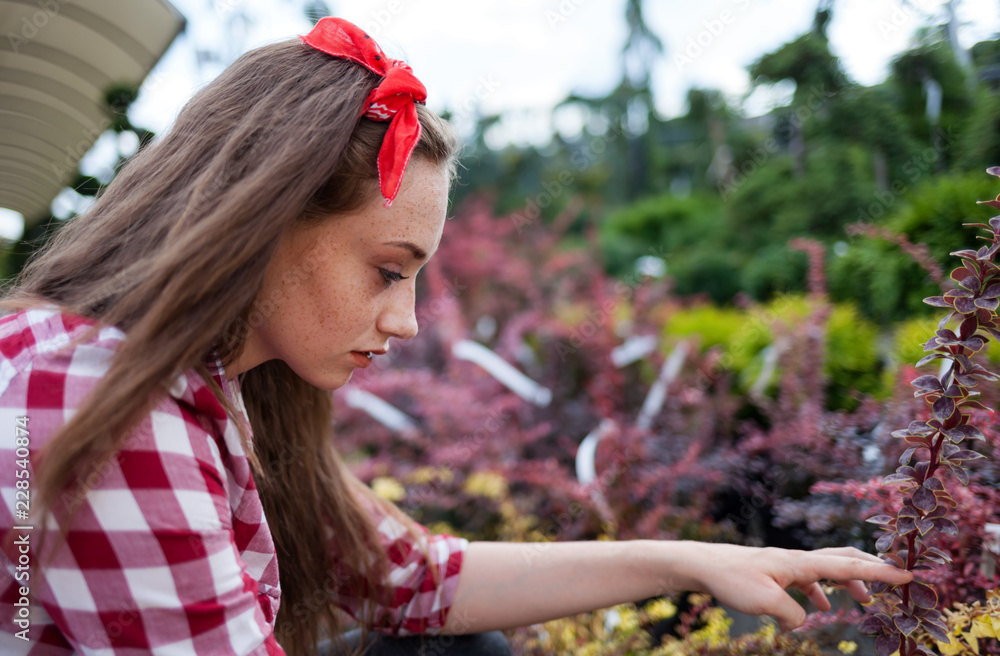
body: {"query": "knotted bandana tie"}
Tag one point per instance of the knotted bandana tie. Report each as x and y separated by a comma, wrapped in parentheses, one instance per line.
(392, 100)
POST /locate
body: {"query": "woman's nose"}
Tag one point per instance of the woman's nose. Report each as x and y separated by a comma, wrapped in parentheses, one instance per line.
(399, 318)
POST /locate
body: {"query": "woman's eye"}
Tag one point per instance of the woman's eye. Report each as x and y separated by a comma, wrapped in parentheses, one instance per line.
(391, 276)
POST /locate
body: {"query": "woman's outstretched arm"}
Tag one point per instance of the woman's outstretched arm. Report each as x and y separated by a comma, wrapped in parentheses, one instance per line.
(503, 585)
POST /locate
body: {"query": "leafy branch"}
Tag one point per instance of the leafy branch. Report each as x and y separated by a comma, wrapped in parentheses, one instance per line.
(905, 611)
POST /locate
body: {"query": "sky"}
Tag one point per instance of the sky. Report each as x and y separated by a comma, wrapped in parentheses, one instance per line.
(521, 57)
(524, 56)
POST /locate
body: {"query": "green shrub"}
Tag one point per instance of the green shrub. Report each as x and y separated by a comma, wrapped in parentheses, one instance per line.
(852, 363)
(883, 282)
(935, 211)
(706, 270)
(774, 269)
(683, 231)
(735, 331)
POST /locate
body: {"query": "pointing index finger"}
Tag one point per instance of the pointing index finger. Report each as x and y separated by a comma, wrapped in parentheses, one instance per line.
(846, 568)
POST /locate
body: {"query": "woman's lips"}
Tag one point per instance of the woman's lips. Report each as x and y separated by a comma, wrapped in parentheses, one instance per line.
(360, 359)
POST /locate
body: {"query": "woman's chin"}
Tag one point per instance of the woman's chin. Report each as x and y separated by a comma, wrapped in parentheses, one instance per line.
(329, 380)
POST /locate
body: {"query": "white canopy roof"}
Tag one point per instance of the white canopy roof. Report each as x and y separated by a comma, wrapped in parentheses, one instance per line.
(57, 60)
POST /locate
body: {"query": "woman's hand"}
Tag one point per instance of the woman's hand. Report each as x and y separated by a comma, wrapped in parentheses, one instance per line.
(754, 580)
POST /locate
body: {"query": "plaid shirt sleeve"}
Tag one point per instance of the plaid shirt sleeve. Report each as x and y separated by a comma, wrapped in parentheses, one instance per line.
(419, 604)
(150, 564)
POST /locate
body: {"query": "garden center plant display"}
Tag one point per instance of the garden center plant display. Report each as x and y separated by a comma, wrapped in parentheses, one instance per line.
(730, 456)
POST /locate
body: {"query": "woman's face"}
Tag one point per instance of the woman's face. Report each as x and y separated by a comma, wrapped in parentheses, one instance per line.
(330, 289)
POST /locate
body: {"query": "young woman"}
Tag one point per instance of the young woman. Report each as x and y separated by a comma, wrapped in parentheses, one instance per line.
(165, 375)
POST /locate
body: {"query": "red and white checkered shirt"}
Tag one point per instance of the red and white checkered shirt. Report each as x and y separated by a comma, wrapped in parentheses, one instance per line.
(169, 551)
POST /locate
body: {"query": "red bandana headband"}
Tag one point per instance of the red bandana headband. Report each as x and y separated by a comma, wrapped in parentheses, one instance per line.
(392, 100)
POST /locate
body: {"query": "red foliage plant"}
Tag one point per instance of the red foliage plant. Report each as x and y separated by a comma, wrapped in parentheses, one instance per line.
(909, 534)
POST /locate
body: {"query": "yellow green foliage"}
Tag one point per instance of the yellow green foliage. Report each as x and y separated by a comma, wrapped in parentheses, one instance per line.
(908, 340)
(619, 632)
(740, 334)
(851, 342)
(852, 363)
(714, 639)
(969, 623)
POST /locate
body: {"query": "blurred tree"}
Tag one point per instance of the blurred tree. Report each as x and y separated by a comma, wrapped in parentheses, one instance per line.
(628, 110)
(934, 97)
(808, 62)
(869, 116)
(838, 153)
(315, 10)
(979, 146)
(611, 161)
(698, 147)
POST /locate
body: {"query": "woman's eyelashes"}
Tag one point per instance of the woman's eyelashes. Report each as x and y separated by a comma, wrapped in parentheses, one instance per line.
(391, 277)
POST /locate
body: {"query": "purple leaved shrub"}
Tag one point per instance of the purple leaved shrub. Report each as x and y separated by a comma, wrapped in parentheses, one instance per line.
(938, 455)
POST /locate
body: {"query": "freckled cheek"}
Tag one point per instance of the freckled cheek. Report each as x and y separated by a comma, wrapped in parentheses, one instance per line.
(327, 310)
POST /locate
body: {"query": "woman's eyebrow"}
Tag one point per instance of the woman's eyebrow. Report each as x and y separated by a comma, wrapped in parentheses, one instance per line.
(418, 252)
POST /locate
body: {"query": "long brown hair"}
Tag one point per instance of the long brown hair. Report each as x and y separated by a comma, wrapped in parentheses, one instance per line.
(173, 252)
